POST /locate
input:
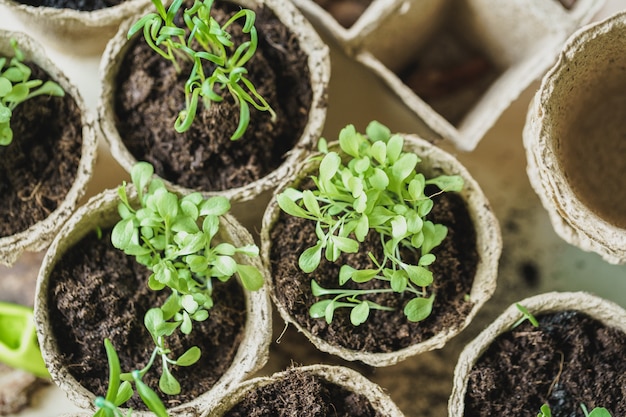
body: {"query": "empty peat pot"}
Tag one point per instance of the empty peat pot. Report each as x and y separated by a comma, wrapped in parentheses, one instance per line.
(575, 140)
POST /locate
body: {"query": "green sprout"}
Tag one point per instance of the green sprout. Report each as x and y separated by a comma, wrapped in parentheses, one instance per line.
(526, 315)
(174, 237)
(16, 87)
(204, 41)
(377, 189)
(596, 412)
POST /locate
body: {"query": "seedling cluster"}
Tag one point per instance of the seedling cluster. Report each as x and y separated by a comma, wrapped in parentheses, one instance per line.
(175, 238)
(204, 41)
(16, 87)
(372, 187)
(596, 412)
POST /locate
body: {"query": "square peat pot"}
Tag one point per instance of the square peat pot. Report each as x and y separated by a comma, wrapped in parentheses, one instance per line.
(456, 64)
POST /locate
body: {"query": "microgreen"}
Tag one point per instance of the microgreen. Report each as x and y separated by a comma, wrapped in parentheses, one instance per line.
(596, 412)
(17, 87)
(374, 187)
(526, 315)
(176, 239)
(203, 41)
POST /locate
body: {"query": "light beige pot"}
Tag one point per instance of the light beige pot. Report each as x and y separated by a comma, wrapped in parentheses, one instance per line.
(338, 375)
(101, 211)
(73, 31)
(518, 40)
(38, 236)
(607, 312)
(434, 161)
(319, 68)
(575, 140)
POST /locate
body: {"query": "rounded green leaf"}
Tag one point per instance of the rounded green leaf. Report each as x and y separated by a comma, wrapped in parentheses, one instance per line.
(419, 308)
(215, 206)
(5, 86)
(360, 313)
(329, 166)
(251, 277)
(191, 356)
(167, 383)
(310, 258)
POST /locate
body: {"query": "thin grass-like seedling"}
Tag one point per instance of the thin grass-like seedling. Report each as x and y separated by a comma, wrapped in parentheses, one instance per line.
(206, 44)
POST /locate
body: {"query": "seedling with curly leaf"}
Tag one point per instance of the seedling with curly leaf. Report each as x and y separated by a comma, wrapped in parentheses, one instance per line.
(175, 238)
(203, 41)
(375, 187)
(16, 87)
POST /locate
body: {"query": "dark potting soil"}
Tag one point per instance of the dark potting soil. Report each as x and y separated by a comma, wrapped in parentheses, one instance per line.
(303, 395)
(151, 94)
(82, 5)
(98, 292)
(570, 359)
(40, 165)
(384, 331)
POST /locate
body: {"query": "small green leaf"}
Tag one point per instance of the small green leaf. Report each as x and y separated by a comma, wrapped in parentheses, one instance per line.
(419, 275)
(349, 141)
(318, 309)
(310, 258)
(225, 265)
(399, 281)
(345, 244)
(329, 166)
(290, 207)
(394, 148)
(167, 383)
(376, 131)
(419, 309)
(215, 206)
(404, 166)
(360, 313)
(251, 277)
(191, 356)
(311, 204)
(345, 274)
(149, 397)
(364, 275)
(379, 180)
(447, 182)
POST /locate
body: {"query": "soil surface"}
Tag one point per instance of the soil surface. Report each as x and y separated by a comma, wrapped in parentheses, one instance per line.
(570, 359)
(96, 291)
(303, 395)
(39, 167)
(82, 5)
(384, 331)
(151, 94)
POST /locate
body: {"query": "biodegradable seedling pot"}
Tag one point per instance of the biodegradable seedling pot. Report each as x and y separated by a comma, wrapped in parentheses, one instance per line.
(47, 166)
(308, 388)
(209, 177)
(473, 236)
(574, 140)
(71, 30)
(248, 352)
(458, 65)
(575, 359)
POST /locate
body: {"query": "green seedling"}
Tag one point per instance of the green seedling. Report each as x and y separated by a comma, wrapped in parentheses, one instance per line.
(526, 315)
(207, 44)
(596, 412)
(18, 340)
(175, 238)
(374, 187)
(16, 87)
